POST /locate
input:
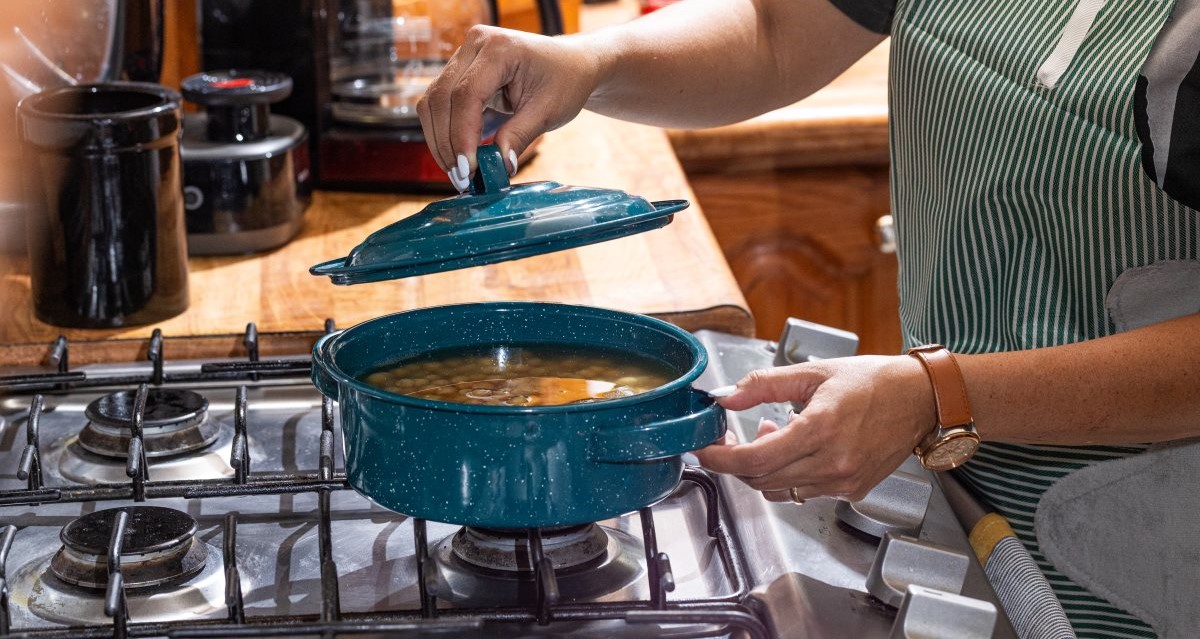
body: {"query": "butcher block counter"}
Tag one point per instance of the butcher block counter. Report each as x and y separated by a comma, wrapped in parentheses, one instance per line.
(677, 272)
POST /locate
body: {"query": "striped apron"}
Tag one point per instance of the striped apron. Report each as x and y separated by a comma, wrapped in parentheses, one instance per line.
(1019, 198)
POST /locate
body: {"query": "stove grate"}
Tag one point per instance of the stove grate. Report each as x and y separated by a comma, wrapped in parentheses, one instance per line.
(253, 369)
(726, 612)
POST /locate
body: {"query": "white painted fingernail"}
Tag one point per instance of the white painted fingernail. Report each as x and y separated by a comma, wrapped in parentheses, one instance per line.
(723, 391)
(458, 182)
(464, 167)
(512, 161)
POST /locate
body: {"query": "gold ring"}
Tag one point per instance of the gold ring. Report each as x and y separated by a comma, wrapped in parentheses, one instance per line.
(794, 496)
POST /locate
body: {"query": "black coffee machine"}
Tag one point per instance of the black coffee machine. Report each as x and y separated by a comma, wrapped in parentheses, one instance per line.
(363, 133)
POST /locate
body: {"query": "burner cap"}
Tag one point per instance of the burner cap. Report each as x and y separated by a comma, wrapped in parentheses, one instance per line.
(164, 407)
(159, 546)
(150, 529)
(584, 572)
(508, 550)
(175, 421)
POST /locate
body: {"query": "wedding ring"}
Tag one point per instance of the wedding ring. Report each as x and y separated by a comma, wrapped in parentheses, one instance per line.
(795, 497)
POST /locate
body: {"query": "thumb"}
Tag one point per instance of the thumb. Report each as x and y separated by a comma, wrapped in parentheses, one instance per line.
(517, 134)
(794, 383)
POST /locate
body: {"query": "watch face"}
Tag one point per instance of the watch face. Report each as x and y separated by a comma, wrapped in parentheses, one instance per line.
(951, 452)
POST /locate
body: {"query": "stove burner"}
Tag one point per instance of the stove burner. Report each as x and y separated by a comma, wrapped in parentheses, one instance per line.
(159, 547)
(492, 567)
(175, 421)
(508, 550)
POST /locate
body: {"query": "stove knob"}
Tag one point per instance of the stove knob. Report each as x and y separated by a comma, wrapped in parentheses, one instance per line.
(932, 614)
(896, 505)
(902, 561)
(808, 342)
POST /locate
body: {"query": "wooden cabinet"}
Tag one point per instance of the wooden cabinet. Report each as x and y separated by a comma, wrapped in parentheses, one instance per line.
(803, 243)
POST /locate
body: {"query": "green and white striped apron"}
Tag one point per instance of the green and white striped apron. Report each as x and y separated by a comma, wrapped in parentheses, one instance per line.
(1018, 205)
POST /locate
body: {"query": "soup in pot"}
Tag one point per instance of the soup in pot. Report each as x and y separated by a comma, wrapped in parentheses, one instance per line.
(523, 375)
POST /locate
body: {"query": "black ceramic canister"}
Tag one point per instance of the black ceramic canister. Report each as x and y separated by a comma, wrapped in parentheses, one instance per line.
(101, 170)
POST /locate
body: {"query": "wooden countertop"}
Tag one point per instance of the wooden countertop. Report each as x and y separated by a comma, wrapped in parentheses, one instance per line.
(677, 272)
(843, 123)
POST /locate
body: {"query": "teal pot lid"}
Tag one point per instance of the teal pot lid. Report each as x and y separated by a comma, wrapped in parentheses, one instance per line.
(496, 222)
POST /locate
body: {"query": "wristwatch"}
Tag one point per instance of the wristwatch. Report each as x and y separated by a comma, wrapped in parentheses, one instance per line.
(953, 439)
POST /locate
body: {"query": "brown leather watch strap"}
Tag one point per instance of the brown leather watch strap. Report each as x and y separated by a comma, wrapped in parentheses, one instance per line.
(949, 389)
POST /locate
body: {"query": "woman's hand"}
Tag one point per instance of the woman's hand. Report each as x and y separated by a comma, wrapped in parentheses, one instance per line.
(862, 417)
(544, 82)
(707, 63)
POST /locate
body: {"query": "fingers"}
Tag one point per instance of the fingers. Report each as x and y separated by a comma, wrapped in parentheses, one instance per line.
(777, 487)
(766, 426)
(481, 74)
(774, 449)
(859, 423)
(809, 458)
(780, 384)
(437, 110)
(543, 82)
(815, 476)
(518, 133)
(475, 88)
(778, 496)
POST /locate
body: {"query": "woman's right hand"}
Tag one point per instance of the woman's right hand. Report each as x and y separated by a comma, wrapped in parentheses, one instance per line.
(543, 82)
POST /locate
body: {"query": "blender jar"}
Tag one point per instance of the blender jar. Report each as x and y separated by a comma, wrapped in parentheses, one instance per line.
(385, 53)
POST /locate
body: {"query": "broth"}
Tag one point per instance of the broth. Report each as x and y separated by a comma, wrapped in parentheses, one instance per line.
(522, 375)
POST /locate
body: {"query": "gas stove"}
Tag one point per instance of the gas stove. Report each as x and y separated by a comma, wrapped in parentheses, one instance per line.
(207, 499)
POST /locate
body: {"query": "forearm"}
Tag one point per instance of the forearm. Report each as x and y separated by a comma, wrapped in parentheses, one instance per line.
(1135, 387)
(710, 62)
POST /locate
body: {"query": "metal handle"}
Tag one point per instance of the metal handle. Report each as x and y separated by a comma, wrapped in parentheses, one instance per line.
(885, 234)
(667, 438)
(1023, 591)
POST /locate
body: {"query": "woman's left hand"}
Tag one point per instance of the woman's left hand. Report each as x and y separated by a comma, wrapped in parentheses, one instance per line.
(862, 417)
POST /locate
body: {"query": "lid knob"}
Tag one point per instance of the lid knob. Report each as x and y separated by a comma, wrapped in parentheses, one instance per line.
(491, 176)
(237, 101)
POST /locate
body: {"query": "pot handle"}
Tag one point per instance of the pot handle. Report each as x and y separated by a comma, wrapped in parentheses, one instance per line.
(320, 377)
(657, 440)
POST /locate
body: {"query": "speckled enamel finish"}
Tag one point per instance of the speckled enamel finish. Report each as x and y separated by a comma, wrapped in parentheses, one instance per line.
(496, 222)
(515, 467)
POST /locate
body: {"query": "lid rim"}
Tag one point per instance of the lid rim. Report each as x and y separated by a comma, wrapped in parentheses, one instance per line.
(494, 257)
(662, 211)
(496, 222)
(545, 239)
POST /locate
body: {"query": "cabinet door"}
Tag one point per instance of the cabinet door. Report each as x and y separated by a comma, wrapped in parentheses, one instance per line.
(804, 243)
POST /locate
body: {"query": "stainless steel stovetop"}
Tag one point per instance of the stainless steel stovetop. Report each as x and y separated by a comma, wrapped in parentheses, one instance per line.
(280, 546)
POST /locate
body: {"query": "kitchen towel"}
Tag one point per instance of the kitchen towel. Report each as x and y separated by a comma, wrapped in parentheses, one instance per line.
(1154, 293)
(1126, 530)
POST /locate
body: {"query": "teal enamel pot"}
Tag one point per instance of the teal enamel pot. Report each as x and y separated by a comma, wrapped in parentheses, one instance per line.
(513, 466)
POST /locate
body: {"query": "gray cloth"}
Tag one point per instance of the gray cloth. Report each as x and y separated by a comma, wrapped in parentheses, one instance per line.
(1127, 529)
(1155, 293)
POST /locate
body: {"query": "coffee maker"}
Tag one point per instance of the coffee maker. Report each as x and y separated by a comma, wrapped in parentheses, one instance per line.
(358, 68)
